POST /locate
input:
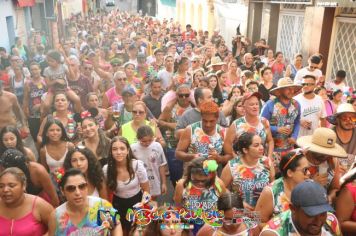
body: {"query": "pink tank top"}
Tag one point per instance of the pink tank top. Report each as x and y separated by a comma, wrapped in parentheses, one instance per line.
(352, 189)
(113, 97)
(28, 225)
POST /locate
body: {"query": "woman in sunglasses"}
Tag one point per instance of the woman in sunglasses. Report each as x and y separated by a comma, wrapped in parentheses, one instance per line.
(83, 158)
(129, 130)
(82, 214)
(275, 197)
(233, 223)
(200, 188)
(21, 213)
(126, 178)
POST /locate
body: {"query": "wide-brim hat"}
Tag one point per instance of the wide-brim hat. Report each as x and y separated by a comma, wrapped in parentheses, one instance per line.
(285, 83)
(342, 108)
(216, 61)
(323, 141)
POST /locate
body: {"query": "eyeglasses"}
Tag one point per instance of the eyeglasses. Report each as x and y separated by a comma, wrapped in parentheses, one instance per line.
(308, 84)
(305, 170)
(184, 95)
(138, 112)
(72, 188)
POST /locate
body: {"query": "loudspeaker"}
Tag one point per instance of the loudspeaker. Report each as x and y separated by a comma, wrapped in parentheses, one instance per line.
(49, 6)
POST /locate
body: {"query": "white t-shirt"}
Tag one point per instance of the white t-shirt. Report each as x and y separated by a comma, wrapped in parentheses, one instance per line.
(304, 71)
(332, 86)
(153, 158)
(311, 110)
(125, 189)
(165, 77)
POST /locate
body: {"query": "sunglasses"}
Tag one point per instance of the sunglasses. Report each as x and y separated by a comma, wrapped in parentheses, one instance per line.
(232, 221)
(305, 170)
(88, 68)
(308, 84)
(138, 112)
(313, 67)
(72, 188)
(184, 95)
(121, 79)
(347, 118)
(194, 61)
(203, 182)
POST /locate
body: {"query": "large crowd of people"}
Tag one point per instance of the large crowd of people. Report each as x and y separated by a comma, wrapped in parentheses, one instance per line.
(128, 110)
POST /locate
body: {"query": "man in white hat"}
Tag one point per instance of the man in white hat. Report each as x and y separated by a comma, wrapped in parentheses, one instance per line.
(283, 113)
(344, 120)
(322, 151)
(313, 112)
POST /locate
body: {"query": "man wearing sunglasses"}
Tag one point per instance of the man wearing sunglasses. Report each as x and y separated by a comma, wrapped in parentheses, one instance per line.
(309, 214)
(312, 109)
(311, 69)
(322, 154)
(345, 128)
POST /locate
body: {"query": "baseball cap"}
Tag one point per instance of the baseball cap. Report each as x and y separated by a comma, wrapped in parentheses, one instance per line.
(248, 95)
(311, 197)
(128, 91)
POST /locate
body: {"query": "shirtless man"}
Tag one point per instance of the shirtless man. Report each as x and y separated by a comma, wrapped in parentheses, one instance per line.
(10, 107)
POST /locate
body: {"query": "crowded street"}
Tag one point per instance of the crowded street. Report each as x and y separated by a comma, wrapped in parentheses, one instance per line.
(177, 117)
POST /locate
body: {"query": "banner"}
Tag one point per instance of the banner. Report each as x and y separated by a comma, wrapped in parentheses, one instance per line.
(26, 3)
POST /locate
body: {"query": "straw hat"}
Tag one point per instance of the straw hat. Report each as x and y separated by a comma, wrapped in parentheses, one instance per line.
(216, 61)
(322, 141)
(285, 83)
(342, 108)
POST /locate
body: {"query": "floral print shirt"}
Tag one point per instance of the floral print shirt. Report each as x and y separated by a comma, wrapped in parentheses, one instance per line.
(89, 225)
(200, 141)
(249, 182)
(280, 115)
(241, 126)
(280, 200)
(283, 225)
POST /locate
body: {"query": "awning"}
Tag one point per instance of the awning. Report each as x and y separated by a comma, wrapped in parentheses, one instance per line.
(26, 3)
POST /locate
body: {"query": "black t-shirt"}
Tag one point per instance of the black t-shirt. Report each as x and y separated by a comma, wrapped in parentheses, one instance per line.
(265, 92)
(251, 68)
(153, 105)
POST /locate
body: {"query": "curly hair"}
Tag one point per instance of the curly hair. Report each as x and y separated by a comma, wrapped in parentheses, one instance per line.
(196, 167)
(94, 173)
(112, 170)
(19, 144)
(14, 158)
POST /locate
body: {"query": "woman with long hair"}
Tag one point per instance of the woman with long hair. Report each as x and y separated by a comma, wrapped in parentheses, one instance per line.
(54, 146)
(278, 67)
(95, 139)
(275, 197)
(224, 83)
(237, 111)
(293, 68)
(266, 84)
(215, 88)
(235, 92)
(10, 138)
(126, 177)
(233, 73)
(82, 214)
(83, 158)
